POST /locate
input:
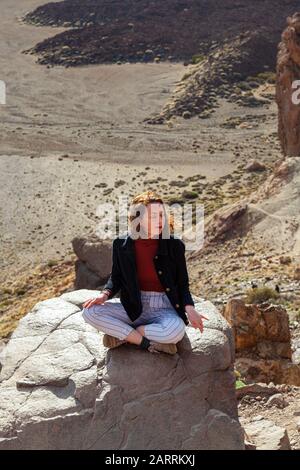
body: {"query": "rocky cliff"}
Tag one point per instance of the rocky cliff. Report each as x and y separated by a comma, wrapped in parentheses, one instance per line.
(288, 72)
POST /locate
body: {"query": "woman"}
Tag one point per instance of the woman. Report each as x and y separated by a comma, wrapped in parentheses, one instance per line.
(149, 268)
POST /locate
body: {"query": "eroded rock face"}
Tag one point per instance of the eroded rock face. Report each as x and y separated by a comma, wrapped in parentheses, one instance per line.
(263, 328)
(61, 389)
(94, 261)
(263, 342)
(288, 71)
(226, 222)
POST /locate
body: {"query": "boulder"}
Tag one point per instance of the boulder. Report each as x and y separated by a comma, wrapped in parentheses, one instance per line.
(255, 165)
(263, 328)
(278, 371)
(287, 95)
(256, 389)
(262, 341)
(85, 278)
(94, 261)
(226, 222)
(277, 400)
(60, 388)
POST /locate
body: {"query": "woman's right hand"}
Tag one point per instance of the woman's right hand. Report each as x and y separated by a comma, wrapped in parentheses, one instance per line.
(98, 300)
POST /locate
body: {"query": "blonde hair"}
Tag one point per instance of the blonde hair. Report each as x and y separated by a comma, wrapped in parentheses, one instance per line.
(144, 199)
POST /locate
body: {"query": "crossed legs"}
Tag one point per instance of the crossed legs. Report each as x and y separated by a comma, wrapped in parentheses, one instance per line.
(112, 319)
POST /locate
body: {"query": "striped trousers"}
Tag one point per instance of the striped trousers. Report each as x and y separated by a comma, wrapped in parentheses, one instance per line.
(162, 322)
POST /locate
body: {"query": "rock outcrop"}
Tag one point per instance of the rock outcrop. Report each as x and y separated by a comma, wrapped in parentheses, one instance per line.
(61, 389)
(227, 222)
(263, 328)
(288, 72)
(273, 211)
(263, 342)
(94, 261)
(269, 217)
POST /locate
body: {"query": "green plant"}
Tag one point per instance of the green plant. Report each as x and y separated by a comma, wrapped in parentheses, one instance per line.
(189, 194)
(52, 262)
(269, 77)
(196, 58)
(260, 294)
(20, 291)
(6, 290)
(239, 384)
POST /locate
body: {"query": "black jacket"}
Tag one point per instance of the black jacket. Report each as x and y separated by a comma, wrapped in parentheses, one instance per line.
(170, 265)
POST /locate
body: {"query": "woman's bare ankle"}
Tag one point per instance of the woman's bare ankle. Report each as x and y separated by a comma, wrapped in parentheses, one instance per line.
(134, 337)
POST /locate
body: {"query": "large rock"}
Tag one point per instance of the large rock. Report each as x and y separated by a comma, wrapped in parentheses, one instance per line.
(288, 71)
(226, 221)
(261, 328)
(263, 342)
(94, 261)
(61, 389)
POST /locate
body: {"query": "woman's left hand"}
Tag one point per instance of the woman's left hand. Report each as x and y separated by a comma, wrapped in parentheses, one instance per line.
(195, 318)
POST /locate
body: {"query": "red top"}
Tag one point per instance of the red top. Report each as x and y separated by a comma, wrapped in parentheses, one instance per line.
(145, 250)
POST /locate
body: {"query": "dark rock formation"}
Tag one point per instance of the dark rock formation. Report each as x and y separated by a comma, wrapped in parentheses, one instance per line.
(227, 41)
(288, 72)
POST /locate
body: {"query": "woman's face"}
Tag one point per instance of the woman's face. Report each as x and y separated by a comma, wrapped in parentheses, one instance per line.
(152, 220)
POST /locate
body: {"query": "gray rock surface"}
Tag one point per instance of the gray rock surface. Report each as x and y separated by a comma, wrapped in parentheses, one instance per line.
(94, 261)
(266, 435)
(60, 388)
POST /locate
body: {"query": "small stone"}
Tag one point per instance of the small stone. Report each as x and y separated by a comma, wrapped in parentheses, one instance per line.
(277, 400)
(257, 418)
(255, 165)
(285, 259)
(186, 114)
(249, 445)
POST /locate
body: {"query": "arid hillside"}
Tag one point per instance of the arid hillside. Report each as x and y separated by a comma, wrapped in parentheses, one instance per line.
(224, 42)
(100, 31)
